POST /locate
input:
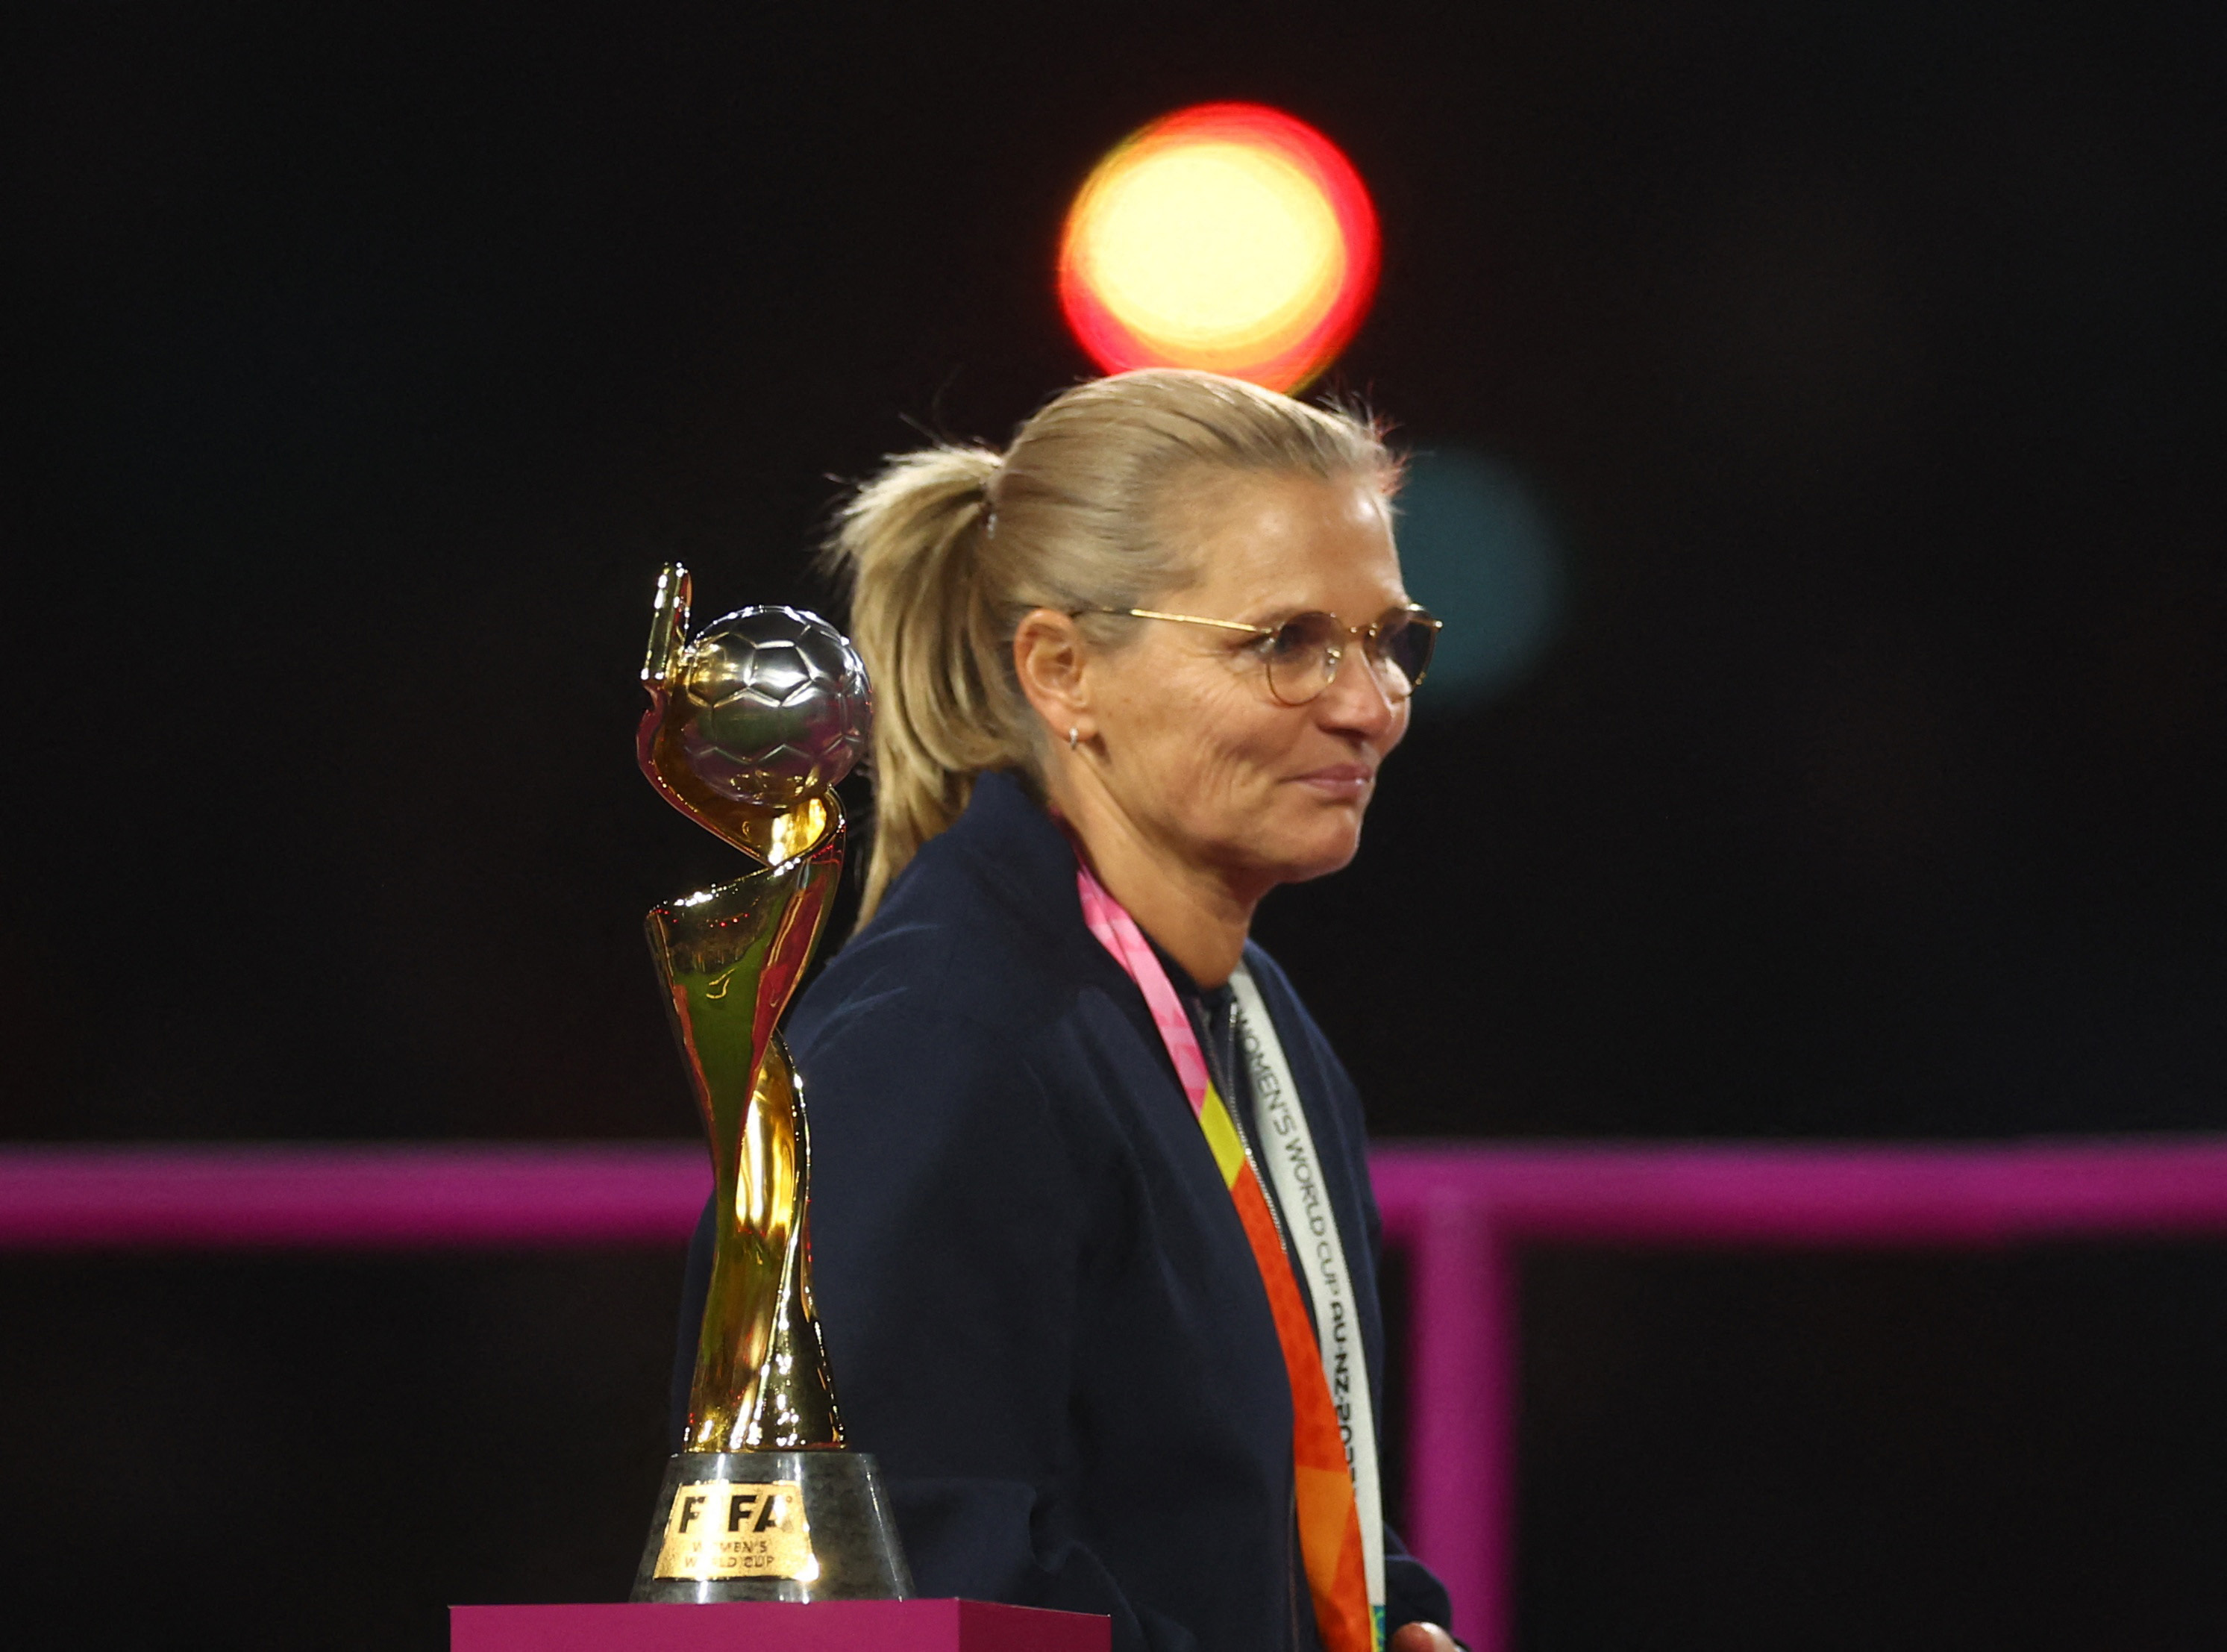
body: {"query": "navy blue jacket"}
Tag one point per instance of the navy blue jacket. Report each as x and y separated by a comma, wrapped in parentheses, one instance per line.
(1041, 1311)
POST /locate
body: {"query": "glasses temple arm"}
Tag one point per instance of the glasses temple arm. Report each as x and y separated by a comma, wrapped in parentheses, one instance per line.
(1188, 619)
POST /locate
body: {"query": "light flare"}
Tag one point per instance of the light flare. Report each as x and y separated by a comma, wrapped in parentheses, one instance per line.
(1229, 237)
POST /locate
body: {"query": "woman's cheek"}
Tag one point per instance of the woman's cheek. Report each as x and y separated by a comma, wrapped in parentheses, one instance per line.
(1400, 713)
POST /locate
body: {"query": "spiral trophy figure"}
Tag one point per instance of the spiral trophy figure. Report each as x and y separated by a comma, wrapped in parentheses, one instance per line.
(750, 727)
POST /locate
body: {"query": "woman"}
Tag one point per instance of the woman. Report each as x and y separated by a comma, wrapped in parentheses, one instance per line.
(1085, 1174)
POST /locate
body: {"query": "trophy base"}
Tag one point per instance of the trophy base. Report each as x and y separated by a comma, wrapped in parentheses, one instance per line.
(794, 1525)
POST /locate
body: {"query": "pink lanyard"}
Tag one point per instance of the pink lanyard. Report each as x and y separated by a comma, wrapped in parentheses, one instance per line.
(1118, 932)
(1348, 1611)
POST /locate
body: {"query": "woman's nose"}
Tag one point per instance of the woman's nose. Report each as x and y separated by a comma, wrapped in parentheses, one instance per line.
(1356, 696)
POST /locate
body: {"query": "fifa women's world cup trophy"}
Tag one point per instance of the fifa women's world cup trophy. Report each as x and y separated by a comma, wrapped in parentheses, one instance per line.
(750, 727)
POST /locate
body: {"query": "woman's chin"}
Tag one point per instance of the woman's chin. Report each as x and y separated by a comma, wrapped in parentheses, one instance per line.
(1318, 854)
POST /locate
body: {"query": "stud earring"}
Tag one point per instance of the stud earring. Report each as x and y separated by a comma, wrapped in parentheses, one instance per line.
(1073, 735)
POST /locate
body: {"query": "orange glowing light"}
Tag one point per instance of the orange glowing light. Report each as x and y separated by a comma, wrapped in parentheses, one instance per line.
(1228, 236)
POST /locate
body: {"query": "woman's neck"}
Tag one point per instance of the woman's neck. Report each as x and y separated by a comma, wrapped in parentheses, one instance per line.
(1193, 912)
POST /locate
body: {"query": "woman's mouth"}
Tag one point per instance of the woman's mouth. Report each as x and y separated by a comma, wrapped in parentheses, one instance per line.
(1339, 780)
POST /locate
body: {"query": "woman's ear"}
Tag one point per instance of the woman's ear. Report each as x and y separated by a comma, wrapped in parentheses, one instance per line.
(1049, 656)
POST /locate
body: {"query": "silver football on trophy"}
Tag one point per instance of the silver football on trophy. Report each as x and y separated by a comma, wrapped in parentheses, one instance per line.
(779, 706)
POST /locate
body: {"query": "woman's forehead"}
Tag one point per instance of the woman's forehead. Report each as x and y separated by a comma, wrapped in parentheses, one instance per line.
(1271, 540)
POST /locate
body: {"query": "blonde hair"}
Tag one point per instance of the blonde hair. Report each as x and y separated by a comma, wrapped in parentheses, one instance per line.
(949, 547)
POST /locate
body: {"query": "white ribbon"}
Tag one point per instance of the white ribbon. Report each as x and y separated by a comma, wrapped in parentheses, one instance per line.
(1311, 1226)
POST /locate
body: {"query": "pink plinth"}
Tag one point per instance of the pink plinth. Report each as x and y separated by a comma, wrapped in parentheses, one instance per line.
(825, 1626)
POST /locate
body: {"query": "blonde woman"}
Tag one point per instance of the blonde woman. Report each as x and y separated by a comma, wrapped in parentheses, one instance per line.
(1095, 1242)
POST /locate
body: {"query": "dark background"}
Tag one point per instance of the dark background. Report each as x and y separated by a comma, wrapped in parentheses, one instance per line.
(367, 361)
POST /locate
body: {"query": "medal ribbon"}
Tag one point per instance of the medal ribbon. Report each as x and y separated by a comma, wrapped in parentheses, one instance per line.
(1331, 1546)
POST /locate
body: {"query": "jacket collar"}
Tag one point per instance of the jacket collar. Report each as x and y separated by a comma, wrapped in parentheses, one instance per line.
(1018, 848)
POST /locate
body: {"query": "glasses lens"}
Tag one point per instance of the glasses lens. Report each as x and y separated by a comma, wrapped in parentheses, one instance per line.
(1302, 657)
(1404, 644)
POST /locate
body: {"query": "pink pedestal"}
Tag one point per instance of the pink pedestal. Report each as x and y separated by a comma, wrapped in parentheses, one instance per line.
(769, 1626)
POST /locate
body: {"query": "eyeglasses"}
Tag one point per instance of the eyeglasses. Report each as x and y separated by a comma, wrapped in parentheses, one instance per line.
(1303, 653)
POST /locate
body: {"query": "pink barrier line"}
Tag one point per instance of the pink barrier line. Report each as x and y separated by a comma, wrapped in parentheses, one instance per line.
(1832, 1194)
(342, 1196)
(1462, 1213)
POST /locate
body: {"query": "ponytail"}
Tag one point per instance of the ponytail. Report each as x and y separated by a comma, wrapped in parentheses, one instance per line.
(910, 544)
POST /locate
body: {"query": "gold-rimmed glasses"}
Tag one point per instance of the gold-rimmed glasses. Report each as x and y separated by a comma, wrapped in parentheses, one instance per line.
(1303, 653)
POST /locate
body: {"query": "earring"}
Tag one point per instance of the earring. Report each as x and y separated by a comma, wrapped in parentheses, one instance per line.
(1073, 735)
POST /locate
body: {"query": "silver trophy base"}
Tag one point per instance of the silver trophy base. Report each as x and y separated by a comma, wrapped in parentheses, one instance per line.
(852, 1540)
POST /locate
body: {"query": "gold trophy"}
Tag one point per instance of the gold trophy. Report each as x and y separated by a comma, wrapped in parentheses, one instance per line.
(750, 727)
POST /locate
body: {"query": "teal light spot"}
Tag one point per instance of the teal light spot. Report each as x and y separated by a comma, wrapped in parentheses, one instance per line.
(1476, 550)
